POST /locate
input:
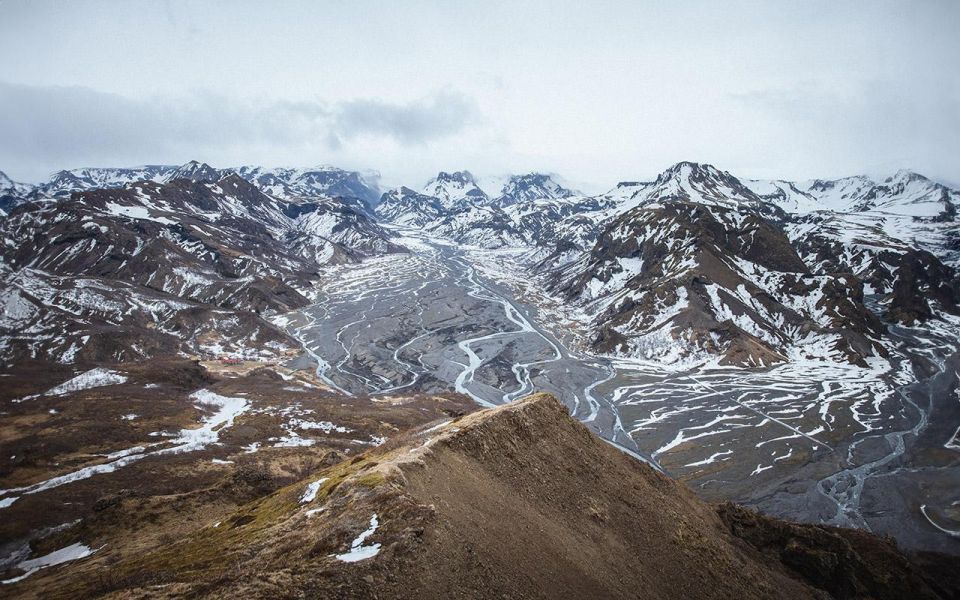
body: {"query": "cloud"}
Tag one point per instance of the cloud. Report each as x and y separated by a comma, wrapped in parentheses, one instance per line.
(872, 124)
(67, 126)
(439, 115)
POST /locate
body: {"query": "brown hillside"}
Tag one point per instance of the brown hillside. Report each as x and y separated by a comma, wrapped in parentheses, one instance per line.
(519, 501)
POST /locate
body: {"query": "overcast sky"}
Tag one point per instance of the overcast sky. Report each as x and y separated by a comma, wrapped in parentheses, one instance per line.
(595, 91)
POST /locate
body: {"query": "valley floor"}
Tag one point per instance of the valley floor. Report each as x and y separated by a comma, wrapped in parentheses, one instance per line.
(873, 447)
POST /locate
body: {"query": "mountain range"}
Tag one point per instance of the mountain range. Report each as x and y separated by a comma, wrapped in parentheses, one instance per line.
(693, 265)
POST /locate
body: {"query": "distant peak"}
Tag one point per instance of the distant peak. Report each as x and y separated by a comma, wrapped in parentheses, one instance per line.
(533, 186)
(458, 176)
(689, 167)
(530, 178)
(194, 165)
(195, 171)
(906, 175)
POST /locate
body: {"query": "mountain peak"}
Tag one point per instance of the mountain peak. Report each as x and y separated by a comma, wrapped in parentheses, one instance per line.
(907, 176)
(195, 171)
(686, 168)
(702, 183)
(456, 176)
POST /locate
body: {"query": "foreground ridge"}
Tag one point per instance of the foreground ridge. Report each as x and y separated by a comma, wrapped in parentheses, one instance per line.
(515, 501)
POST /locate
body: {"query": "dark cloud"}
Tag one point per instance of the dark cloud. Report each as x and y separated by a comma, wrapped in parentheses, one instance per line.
(69, 126)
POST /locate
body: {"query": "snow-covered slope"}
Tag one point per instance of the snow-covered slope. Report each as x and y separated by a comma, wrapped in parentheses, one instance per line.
(479, 225)
(528, 210)
(906, 207)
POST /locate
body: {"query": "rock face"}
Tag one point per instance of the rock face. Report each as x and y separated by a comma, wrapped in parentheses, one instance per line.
(921, 280)
(519, 501)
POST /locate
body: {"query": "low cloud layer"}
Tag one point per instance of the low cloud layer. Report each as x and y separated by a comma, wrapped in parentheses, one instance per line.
(55, 127)
(599, 92)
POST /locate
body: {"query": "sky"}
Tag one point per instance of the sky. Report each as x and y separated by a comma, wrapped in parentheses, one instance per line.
(598, 92)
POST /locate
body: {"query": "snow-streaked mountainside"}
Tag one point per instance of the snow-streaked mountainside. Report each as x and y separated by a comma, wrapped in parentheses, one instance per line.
(131, 271)
(407, 207)
(193, 171)
(698, 264)
(64, 183)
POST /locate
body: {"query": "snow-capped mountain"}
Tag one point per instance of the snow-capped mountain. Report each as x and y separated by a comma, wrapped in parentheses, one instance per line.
(697, 263)
(407, 207)
(63, 183)
(455, 190)
(532, 187)
(682, 280)
(700, 183)
(528, 210)
(323, 180)
(905, 194)
(906, 207)
(485, 226)
(334, 231)
(728, 266)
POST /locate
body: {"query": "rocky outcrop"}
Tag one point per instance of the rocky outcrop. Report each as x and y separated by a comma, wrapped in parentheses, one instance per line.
(921, 280)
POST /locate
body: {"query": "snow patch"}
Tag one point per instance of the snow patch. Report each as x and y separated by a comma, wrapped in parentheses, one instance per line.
(97, 377)
(310, 494)
(358, 551)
